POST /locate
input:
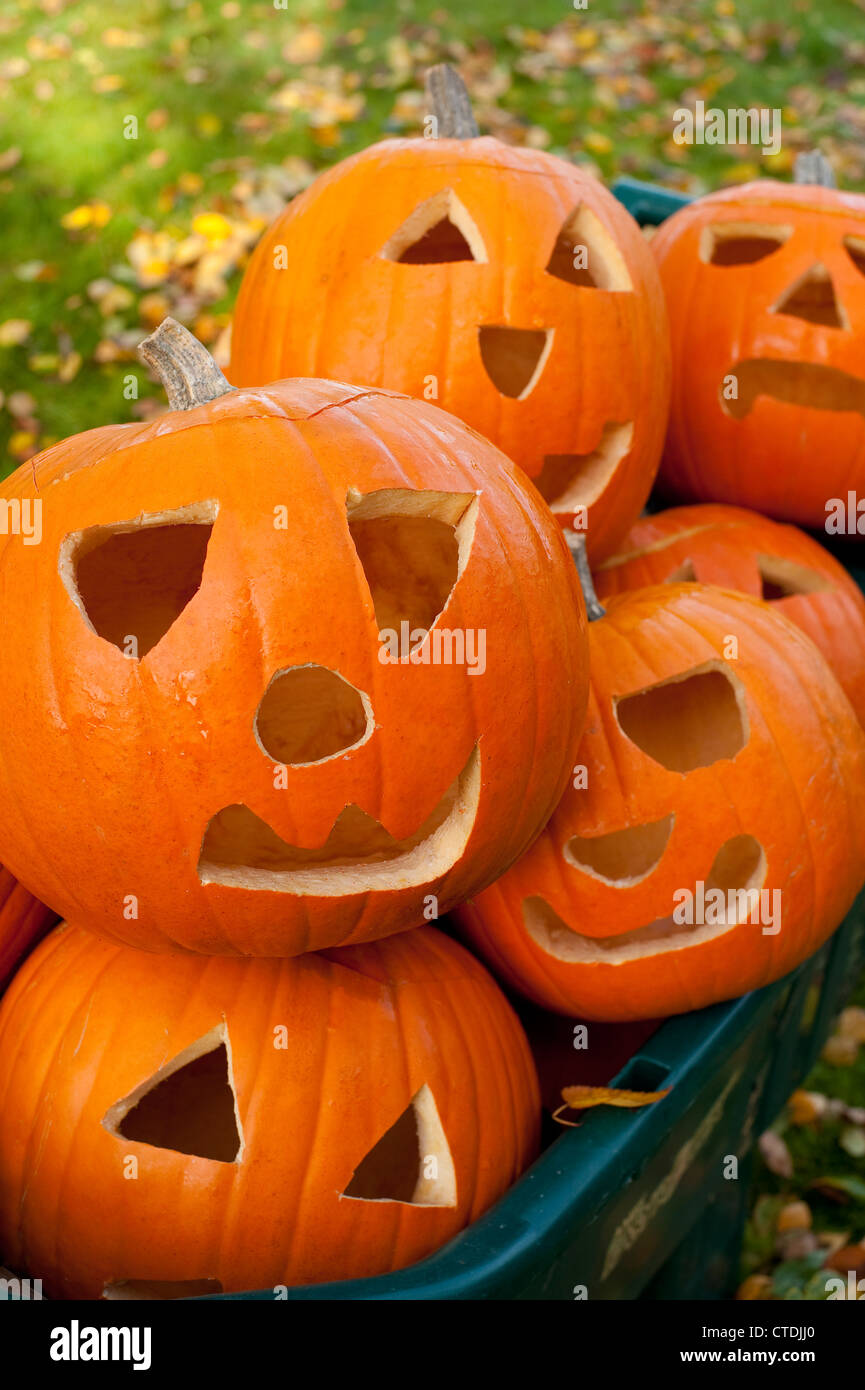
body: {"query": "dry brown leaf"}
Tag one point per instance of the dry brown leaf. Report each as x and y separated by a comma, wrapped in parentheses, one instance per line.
(851, 1023)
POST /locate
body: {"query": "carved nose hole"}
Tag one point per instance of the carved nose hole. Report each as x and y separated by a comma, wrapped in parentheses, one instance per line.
(813, 298)
(309, 713)
(514, 358)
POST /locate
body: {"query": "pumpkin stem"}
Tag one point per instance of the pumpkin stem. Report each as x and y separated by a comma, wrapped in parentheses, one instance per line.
(183, 365)
(813, 167)
(577, 547)
(451, 103)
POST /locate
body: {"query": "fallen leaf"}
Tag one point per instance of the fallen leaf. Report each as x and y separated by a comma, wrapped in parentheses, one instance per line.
(851, 1023)
(852, 1141)
(806, 1107)
(840, 1051)
(775, 1154)
(582, 1097)
(796, 1245)
(14, 332)
(845, 1189)
(795, 1216)
(755, 1287)
(21, 405)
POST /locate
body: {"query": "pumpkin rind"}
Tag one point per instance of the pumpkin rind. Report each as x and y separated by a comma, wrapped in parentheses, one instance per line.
(784, 458)
(729, 546)
(143, 754)
(23, 919)
(366, 1029)
(796, 786)
(342, 308)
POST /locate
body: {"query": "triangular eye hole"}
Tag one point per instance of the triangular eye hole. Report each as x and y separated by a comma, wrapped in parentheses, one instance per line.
(438, 231)
(683, 573)
(411, 1162)
(131, 581)
(188, 1106)
(690, 721)
(413, 547)
(585, 254)
(855, 248)
(812, 298)
(741, 243)
(781, 578)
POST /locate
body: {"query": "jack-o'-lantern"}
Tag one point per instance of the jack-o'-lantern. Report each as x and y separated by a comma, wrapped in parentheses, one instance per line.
(249, 1124)
(503, 282)
(714, 835)
(267, 701)
(765, 287)
(742, 550)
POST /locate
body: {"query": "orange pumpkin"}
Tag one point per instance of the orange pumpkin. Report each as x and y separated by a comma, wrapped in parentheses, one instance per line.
(718, 834)
(765, 288)
(243, 755)
(505, 283)
(23, 919)
(252, 1123)
(742, 550)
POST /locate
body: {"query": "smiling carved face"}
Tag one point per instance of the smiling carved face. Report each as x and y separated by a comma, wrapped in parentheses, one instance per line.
(765, 289)
(505, 284)
(204, 747)
(738, 771)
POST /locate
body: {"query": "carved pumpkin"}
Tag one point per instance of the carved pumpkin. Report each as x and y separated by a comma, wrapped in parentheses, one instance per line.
(252, 1123)
(505, 283)
(765, 288)
(709, 781)
(742, 550)
(23, 919)
(219, 750)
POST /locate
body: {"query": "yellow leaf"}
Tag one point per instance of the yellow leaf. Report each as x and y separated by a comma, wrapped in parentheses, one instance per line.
(44, 362)
(306, 46)
(70, 366)
(582, 1097)
(597, 142)
(212, 226)
(108, 82)
(21, 444)
(14, 332)
(208, 124)
(190, 183)
(76, 219)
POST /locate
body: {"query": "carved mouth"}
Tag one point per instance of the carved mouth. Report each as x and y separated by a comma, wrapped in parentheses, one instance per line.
(240, 850)
(568, 481)
(739, 871)
(804, 384)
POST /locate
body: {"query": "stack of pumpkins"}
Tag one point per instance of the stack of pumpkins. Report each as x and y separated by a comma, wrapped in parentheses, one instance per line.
(298, 668)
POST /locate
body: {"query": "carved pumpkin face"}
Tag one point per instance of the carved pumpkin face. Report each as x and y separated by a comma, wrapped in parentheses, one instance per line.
(765, 288)
(226, 1139)
(204, 747)
(458, 283)
(741, 550)
(741, 774)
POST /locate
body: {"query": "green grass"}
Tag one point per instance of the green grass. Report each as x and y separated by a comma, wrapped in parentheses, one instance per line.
(598, 86)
